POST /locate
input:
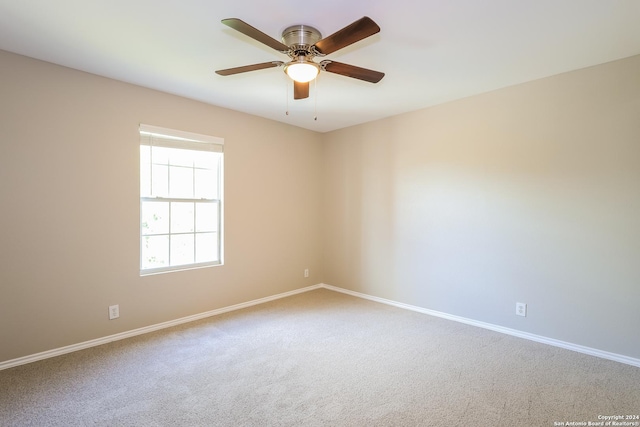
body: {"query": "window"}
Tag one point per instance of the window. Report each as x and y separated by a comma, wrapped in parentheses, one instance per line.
(181, 187)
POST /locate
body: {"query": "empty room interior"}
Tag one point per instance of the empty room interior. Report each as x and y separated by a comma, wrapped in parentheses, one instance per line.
(455, 243)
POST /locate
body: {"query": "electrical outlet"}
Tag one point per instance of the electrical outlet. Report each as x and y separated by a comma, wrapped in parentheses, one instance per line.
(114, 311)
(521, 309)
(306, 272)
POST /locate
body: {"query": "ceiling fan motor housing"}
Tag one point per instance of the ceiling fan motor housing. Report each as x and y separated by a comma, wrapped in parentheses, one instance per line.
(300, 39)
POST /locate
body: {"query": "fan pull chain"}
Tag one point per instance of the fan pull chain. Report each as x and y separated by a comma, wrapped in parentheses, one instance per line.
(315, 96)
(287, 85)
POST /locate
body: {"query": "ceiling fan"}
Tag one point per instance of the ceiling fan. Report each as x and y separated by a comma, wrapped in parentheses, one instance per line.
(303, 43)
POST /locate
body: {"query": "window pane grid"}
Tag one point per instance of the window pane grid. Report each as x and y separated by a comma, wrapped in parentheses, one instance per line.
(180, 208)
(182, 166)
(173, 242)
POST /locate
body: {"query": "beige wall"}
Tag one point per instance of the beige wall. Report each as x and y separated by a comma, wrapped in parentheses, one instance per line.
(529, 193)
(70, 208)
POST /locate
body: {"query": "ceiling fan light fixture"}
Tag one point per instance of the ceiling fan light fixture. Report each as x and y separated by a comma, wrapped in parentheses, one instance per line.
(301, 70)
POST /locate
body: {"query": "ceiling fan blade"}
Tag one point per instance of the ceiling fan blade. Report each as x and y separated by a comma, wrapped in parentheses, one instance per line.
(300, 90)
(244, 69)
(352, 71)
(358, 30)
(254, 33)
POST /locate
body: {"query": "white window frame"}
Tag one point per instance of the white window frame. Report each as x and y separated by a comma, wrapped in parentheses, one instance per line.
(170, 138)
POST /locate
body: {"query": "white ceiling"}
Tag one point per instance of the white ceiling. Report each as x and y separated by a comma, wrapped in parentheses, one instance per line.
(432, 51)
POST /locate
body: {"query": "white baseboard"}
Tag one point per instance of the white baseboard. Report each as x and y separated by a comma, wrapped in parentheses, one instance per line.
(532, 337)
(128, 334)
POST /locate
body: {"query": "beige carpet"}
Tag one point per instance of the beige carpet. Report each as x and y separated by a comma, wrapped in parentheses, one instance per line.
(319, 359)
